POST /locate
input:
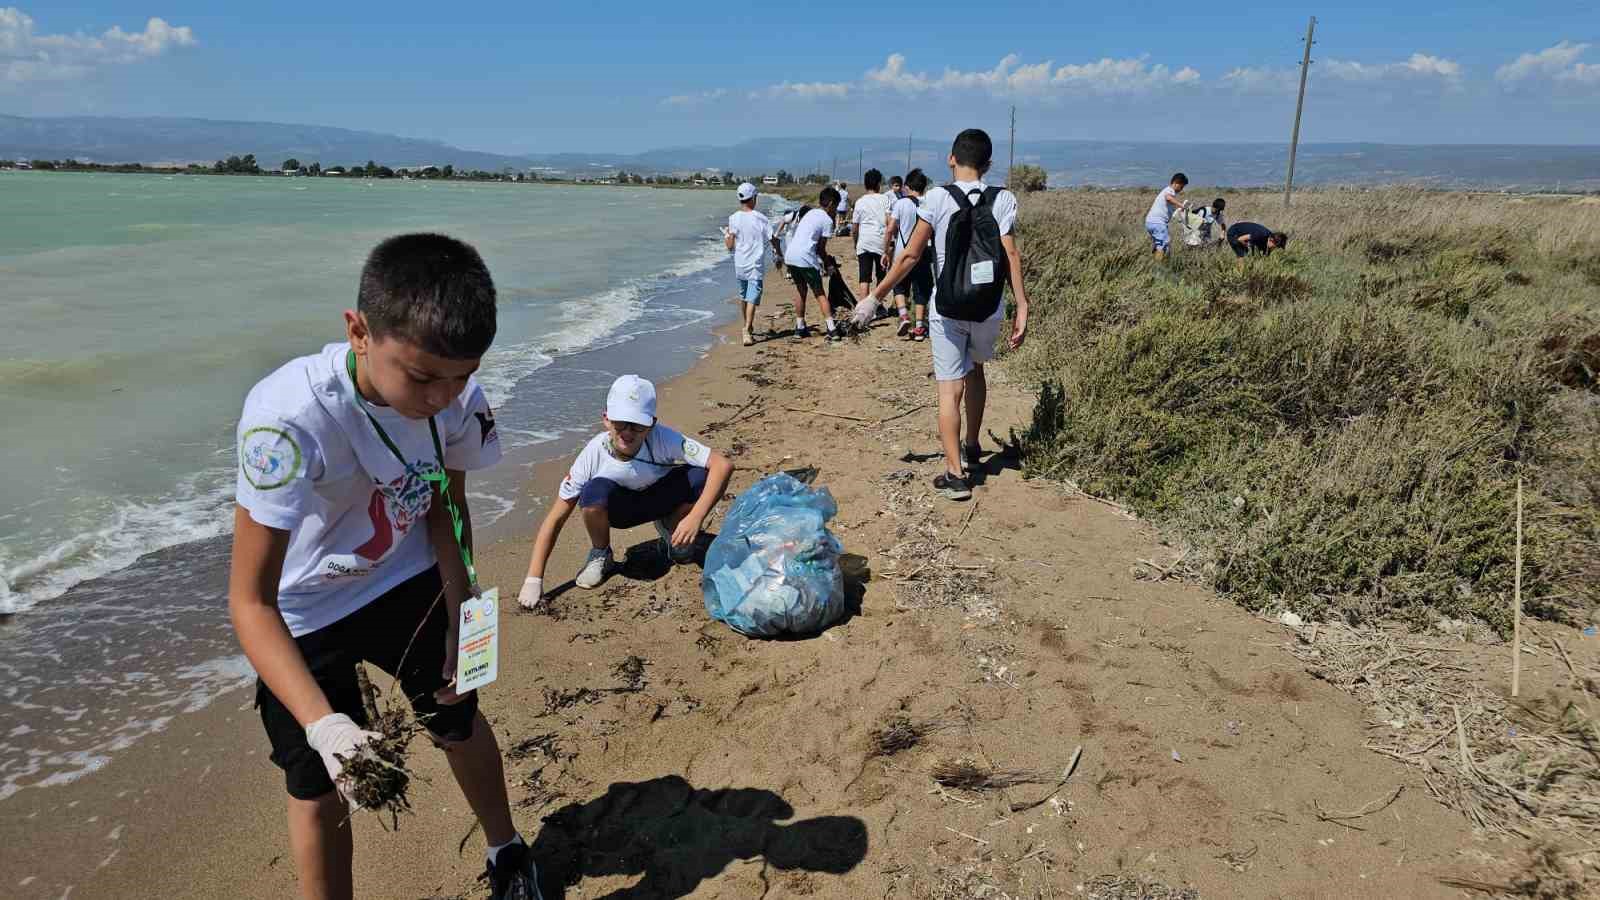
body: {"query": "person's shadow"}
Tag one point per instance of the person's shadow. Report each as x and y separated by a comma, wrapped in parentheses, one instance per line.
(676, 836)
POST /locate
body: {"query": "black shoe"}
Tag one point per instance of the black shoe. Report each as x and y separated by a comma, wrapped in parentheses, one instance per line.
(514, 876)
(952, 487)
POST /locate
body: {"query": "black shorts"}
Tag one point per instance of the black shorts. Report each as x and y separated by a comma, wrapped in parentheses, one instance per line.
(378, 633)
(918, 283)
(627, 508)
(870, 267)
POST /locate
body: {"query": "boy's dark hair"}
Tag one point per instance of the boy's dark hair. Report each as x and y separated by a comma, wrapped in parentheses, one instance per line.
(1179, 178)
(873, 179)
(896, 181)
(916, 180)
(828, 196)
(1281, 239)
(432, 291)
(973, 149)
(1218, 205)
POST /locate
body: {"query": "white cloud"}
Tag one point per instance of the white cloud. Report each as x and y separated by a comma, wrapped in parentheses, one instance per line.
(1420, 65)
(806, 90)
(1559, 61)
(28, 56)
(1009, 77)
(696, 99)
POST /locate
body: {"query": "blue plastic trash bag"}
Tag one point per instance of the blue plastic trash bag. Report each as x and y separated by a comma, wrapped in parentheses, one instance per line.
(774, 568)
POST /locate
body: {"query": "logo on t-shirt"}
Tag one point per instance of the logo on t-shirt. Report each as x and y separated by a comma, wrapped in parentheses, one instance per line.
(269, 458)
(486, 427)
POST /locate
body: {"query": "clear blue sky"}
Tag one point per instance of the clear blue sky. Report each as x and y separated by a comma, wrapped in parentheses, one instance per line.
(628, 76)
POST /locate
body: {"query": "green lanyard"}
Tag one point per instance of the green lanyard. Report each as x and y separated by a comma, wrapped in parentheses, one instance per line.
(440, 478)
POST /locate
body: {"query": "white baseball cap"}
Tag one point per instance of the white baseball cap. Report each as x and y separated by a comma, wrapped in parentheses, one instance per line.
(747, 191)
(632, 399)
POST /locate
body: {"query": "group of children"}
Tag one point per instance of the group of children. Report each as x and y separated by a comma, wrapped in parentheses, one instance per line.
(352, 535)
(1209, 227)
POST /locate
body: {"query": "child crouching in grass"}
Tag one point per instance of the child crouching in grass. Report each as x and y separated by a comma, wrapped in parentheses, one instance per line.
(635, 471)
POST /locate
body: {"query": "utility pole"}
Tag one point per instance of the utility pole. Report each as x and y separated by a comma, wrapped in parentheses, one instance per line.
(1013, 163)
(1299, 105)
(908, 154)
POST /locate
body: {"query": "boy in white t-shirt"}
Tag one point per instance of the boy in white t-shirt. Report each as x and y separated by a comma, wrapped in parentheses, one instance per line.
(867, 234)
(352, 479)
(747, 235)
(843, 213)
(918, 286)
(635, 471)
(806, 256)
(960, 348)
(1166, 203)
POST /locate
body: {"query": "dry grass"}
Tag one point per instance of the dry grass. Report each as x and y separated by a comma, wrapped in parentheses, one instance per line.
(900, 732)
(1132, 887)
(1525, 769)
(968, 775)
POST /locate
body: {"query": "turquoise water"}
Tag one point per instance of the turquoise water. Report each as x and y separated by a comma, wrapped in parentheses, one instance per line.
(140, 308)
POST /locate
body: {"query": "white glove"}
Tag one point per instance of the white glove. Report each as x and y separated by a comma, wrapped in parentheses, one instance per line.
(532, 596)
(335, 737)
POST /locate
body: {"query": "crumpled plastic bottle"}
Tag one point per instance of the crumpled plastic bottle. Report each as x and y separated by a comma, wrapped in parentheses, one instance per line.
(774, 567)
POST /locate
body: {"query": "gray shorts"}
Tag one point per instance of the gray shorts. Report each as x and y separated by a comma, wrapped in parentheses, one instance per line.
(959, 346)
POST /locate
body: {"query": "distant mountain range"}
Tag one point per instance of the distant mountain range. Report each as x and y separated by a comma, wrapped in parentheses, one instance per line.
(1070, 163)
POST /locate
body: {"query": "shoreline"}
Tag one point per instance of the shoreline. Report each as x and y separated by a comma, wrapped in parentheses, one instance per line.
(733, 766)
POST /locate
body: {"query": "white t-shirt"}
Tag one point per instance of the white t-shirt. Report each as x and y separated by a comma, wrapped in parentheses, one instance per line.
(904, 211)
(311, 464)
(937, 208)
(870, 219)
(844, 200)
(1160, 212)
(752, 231)
(663, 450)
(803, 237)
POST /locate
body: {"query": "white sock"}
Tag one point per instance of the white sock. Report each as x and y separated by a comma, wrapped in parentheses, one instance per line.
(494, 852)
(800, 324)
(830, 326)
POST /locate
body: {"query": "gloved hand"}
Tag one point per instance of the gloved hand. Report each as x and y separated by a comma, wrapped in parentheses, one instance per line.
(336, 737)
(532, 596)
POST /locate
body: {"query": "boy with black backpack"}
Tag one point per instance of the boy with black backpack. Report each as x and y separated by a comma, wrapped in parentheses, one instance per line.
(975, 256)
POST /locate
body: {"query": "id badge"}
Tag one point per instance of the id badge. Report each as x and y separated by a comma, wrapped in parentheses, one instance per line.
(983, 272)
(478, 648)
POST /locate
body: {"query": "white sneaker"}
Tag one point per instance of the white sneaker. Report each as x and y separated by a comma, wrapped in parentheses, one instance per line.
(676, 554)
(595, 568)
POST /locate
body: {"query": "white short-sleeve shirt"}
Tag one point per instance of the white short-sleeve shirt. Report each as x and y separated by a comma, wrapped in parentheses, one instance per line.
(936, 209)
(752, 232)
(662, 450)
(803, 237)
(870, 219)
(311, 464)
(1161, 211)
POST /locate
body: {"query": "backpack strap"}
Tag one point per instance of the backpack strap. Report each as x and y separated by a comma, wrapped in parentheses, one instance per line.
(959, 196)
(990, 194)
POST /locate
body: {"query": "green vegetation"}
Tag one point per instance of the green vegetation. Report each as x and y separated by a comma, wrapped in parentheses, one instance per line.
(1025, 179)
(1337, 429)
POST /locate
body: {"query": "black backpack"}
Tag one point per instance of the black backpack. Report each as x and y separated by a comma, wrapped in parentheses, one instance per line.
(976, 268)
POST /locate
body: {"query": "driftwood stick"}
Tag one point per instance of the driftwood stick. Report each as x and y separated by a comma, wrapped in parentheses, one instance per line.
(1516, 613)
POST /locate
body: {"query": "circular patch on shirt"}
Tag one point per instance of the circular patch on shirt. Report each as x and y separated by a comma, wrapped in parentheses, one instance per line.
(269, 458)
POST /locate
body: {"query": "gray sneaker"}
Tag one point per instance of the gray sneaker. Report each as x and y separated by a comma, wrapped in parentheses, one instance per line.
(676, 554)
(595, 568)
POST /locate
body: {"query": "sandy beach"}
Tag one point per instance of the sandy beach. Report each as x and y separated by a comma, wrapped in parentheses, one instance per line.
(652, 752)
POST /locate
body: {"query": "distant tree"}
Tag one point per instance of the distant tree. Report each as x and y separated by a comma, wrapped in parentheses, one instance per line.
(291, 164)
(249, 164)
(45, 165)
(316, 168)
(449, 171)
(1026, 178)
(371, 168)
(383, 172)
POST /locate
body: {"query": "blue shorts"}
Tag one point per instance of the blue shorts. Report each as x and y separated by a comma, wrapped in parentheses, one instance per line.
(1158, 235)
(750, 291)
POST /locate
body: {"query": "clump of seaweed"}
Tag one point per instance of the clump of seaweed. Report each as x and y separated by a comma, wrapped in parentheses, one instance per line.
(377, 778)
(967, 775)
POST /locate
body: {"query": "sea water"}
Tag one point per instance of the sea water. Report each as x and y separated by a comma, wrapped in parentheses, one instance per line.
(138, 311)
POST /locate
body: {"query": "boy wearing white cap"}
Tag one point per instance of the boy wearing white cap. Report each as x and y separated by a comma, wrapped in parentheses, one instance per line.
(747, 235)
(635, 471)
